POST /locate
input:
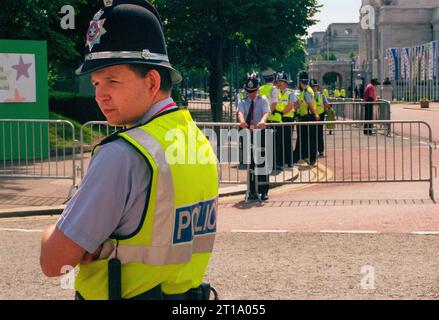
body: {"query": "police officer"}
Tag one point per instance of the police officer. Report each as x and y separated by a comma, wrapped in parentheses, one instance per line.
(337, 93)
(342, 93)
(252, 114)
(322, 106)
(306, 146)
(130, 226)
(326, 93)
(288, 102)
(270, 91)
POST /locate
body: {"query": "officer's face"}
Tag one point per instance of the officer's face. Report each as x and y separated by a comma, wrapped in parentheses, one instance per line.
(252, 95)
(282, 85)
(122, 95)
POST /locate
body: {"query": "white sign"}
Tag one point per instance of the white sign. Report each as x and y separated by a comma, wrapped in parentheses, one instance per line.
(17, 78)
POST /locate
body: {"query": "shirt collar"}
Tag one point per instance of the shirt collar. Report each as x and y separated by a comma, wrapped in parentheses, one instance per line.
(153, 110)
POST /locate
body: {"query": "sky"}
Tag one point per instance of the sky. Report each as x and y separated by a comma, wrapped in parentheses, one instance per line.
(336, 11)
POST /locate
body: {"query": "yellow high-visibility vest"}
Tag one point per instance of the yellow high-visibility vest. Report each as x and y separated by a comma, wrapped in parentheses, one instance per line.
(303, 105)
(265, 91)
(174, 240)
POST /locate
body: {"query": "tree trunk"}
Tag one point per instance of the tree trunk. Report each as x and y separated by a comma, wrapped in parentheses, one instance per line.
(216, 88)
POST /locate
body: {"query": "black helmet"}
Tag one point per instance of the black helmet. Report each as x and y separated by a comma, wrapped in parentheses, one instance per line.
(303, 76)
(126, 32)
(282, 76)
(251, 84)
(313, 83)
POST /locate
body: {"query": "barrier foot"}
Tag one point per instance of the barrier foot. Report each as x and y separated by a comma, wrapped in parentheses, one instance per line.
(432, 195)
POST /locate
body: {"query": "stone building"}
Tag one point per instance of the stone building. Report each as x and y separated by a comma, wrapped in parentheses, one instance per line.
(397, 23)
(339, 38)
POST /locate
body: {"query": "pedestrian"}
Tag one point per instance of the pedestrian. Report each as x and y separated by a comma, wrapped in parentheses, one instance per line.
(288, 102)
(253, 113)
(270, 91)
(306, 146)
(142, 224)
(322, 107)
(369, 96)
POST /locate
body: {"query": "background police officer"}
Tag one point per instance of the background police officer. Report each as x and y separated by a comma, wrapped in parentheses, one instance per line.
(129, 227)
(322, 105)
(270, 91)
(306, 144)
(252, 114)
(288, 102)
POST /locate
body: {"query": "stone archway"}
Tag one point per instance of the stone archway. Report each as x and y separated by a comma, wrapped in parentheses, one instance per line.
(332, 79)
(342, 69)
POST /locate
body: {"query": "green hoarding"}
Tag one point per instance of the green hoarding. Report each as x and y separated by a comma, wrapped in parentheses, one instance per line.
(23, 95)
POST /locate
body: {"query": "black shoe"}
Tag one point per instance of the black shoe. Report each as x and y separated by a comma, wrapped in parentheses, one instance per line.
(312, 164)
(253, 196)
(264, 196)
(279, 168)
(321, 155)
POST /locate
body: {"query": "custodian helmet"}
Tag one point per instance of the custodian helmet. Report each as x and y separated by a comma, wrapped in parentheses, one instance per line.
(126, 32)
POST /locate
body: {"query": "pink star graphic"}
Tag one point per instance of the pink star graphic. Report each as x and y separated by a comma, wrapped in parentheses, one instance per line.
(18, 97)
(22, 68)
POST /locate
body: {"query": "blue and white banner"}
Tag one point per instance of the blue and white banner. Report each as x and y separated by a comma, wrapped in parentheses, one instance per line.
(393, 63)
(423, 62)
(432, 60)
(405, 64)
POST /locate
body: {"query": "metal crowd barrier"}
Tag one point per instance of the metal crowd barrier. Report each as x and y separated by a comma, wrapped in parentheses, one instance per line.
(45, 149)
(37, 149)
(350, 156)
(91, 134)
(231, 171)
(355, 110)
(201, 110)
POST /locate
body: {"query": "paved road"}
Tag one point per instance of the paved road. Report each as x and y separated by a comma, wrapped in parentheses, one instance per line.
(263, 265)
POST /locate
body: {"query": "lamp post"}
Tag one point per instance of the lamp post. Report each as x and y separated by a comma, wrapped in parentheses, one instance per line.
(352, 78)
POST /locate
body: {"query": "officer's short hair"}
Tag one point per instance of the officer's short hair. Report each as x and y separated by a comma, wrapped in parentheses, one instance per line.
(165, 77)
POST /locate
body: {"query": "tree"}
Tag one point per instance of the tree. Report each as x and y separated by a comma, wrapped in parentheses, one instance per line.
(200, 34)
(40, 20)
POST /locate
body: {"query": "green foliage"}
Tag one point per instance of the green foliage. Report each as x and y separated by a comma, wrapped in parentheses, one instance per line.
(206, 34)
(59, 136)
(353, 54)
(40, 20)
(326, 57)
(70, 105)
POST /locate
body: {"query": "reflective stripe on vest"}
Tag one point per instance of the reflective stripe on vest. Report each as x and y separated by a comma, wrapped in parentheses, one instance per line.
(175, 239)
(303, 105)
(284, 101)
(266, 91)
(319, 103)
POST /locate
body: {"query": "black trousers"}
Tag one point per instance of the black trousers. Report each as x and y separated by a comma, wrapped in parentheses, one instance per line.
(368, 115)
(320, 137)
(306, 143)
(260, 180)
(288, 137)
(278, 145)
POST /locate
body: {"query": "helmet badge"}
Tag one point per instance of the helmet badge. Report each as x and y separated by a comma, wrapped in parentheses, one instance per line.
(95, 30)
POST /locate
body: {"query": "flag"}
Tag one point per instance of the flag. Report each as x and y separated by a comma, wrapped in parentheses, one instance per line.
(405, 64)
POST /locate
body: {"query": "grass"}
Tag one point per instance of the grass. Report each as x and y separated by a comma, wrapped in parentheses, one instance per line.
(61, 135)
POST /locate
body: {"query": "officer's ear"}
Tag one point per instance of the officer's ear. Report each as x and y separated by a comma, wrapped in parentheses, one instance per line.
(152, 81)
